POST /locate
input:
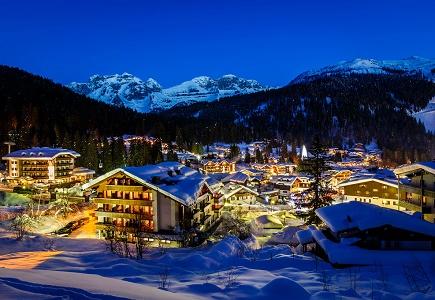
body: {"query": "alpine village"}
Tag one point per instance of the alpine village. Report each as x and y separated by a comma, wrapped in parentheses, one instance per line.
(217, 187)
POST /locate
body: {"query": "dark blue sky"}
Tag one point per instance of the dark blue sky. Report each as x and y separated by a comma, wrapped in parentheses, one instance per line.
(173, 41)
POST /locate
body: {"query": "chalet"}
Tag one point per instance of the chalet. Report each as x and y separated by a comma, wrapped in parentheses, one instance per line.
(275, 168)
(338, 176)
(417, 189)
(166, 198)
(236, 195)
(82, 174)
(41, 165)
(217, 166)
(379, 188)
(290, 185)
(361, 233)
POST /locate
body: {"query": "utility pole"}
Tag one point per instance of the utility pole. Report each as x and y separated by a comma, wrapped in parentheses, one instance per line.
(9, 144)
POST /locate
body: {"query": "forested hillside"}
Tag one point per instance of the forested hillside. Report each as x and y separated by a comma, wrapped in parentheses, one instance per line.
(342, 109)
(36, 111)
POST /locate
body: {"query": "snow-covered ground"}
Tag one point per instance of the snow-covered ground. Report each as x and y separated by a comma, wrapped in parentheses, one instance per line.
(229, 269)
(427, 116)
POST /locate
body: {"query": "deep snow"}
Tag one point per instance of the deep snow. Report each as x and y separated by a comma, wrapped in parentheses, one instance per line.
(228, 269)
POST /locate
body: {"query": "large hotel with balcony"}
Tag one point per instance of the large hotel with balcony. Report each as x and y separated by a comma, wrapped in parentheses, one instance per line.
(417, 188)
(162, 200)
(41, 164)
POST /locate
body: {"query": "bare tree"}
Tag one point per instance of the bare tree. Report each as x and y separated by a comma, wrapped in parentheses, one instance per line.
(231, 277)
(21, 225)
(141, 242)
(62, 205)
(164, 278)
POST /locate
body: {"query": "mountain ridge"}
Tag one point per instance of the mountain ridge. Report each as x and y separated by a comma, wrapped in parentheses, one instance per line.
(413, 65)
(146, 96)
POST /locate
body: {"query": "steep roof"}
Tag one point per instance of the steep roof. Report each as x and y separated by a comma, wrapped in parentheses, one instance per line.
(383, 176)
(170, 178)
(428, 166)
(40, 152)
(363, 216)
(231, 189)
(237, 177)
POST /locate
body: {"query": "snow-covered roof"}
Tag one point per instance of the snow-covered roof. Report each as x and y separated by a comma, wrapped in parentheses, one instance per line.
(237, 177)
(383, 176)
(363, 216)
(40, 153)
(305, 236)
(83, 171)
(231, 189)
(172, 179)
(428, 166)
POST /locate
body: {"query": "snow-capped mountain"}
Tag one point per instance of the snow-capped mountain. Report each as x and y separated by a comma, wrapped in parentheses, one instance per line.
(146, 96)
(407, 66)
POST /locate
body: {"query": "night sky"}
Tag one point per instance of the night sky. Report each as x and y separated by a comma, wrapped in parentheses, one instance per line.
(173, 41)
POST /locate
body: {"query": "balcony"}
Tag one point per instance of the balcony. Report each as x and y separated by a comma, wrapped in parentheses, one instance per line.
(122, 215)
(123, 201)
(413, 205)
(416, 190)
(125, 188)
(198, 214)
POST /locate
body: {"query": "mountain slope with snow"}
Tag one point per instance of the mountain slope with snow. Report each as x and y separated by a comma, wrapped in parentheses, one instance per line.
(411, 66)
(407, 66)
(145, 96)
(427, 116)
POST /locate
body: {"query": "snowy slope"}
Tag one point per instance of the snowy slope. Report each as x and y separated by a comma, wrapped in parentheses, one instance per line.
(145, 96)
(427, 116)
(228, 269)
(409, 66)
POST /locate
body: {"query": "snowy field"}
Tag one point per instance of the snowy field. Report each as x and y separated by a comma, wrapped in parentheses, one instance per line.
(229, 269)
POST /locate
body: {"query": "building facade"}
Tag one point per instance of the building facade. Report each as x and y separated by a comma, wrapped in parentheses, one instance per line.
(218, 166)
(164, 199)
(41, 164)
(417, 189)
(375, 191)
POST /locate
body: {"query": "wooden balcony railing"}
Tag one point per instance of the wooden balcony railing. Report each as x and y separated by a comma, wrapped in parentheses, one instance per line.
(125, 188)
(123, 201)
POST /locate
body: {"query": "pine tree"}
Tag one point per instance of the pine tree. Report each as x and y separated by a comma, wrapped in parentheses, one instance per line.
(118, 152)
(234, 151)
(319, 193)
(106, 155)
(258, 156)
(283, 153)
(247, 156)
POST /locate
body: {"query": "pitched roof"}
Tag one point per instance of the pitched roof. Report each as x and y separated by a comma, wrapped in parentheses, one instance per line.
(40, 152)
(170, 178)
(231, 189)
(383, 176)
(237, 177)
(428, 166)
(363, 216)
